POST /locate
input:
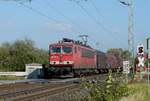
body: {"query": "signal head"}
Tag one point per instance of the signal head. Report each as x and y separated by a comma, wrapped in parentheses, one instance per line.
(140, 49)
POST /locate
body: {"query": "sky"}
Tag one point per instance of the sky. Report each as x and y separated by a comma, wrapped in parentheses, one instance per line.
(48, 21)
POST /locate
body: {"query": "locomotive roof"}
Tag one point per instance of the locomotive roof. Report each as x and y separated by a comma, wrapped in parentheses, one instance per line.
(71, 42)
(59, 44)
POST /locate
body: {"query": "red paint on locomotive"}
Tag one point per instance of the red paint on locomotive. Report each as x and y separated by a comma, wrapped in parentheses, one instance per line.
(77, 58)
(61, 54)
(73, 58)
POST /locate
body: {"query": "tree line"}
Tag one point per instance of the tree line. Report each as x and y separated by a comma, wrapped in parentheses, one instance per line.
(119, 52)
(14, 56)
(125, 55)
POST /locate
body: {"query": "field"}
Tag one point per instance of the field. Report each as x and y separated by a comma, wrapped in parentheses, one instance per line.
(142, 92)
(12, 78)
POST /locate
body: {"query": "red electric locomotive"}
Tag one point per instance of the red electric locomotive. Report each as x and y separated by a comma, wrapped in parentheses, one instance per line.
(69, 57)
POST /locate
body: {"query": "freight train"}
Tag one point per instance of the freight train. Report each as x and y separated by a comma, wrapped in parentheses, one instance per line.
(73, 58)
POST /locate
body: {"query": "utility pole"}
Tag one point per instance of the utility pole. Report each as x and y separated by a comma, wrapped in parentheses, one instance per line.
(131, 44)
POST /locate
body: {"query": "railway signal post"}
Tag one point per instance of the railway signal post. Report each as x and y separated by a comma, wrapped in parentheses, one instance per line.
(141, 57)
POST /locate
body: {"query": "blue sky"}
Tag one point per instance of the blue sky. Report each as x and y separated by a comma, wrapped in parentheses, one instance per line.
(107, 27)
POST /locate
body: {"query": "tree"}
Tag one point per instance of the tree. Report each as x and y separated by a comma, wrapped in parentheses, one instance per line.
(119, 52)
(115, 52)
(126, 55)
(14, 56)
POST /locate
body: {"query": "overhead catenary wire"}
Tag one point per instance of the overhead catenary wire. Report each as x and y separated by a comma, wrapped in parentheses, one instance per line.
(38, 12)
(60, 13)
(97, 10)
(96, 21)
(66, 17)
(100, 16)
(51, 18)
(63, 15)
(44, 15)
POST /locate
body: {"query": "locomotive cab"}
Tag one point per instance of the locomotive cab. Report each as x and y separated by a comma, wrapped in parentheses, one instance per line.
(61, 61)
(61, 55)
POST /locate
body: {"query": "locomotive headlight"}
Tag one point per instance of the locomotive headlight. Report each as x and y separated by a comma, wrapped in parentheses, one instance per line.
(57, 62)
(54, 62)
(68, 62)
(51, 62)
(65, 62)
(71, 62)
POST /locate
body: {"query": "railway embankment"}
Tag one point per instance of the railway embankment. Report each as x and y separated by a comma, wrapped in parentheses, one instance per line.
(120, 90)
(112, 87)
(115, 90)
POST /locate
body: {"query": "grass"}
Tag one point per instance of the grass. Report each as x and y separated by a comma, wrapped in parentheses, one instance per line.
(136, 90)
(6, 70)
(12, 78)
(142, 92)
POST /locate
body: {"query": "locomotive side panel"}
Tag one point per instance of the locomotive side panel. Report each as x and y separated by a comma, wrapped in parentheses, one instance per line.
(76, 56)
(88, 58)
(85, 58)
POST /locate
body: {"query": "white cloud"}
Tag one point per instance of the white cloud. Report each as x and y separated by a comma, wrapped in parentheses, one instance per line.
(64, 26)
(58, 26)
(7, 25)
(115, 30)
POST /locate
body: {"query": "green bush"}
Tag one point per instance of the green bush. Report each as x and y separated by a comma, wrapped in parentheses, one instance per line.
(110, 90)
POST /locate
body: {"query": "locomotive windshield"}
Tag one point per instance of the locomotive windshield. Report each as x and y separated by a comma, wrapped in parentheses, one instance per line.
(61, 49)
(67, 49)
(56, 49)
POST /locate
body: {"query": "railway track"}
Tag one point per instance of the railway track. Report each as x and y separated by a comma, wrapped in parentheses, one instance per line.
(17, 85)
(37, 91)
(48, 93)
(40, 92)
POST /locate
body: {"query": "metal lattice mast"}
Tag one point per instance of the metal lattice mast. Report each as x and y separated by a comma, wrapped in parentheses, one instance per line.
(131, 47)
(131, 31)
